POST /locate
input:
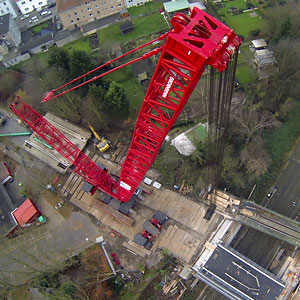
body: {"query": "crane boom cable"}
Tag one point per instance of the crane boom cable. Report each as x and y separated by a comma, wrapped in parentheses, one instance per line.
(50, 95)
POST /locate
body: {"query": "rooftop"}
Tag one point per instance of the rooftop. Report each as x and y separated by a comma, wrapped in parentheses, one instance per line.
(242, 276)
(177, 5)
(260, 43)
(40, 40)
(25, 212)
(4, 24)
(62, 5)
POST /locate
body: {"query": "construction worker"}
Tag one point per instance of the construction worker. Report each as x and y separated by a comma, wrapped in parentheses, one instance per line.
(20, 184)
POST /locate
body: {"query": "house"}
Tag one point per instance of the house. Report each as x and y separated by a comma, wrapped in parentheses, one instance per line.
(130, 3)
(173, 7)
(259, 44)
(13, 58)
(198, 4)
(9, 31)
(8, 6)
(27, 6)
(25, 214)
(75, 13)
(264, 58)
(3, 49)
(38, 44)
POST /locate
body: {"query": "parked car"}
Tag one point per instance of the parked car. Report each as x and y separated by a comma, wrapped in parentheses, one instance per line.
(25, 17)
(46, 13)
(272, 191)
(52, 4)
(2, 119)
(59, 26)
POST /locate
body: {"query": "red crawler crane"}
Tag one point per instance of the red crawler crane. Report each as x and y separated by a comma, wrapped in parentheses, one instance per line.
(194, 42)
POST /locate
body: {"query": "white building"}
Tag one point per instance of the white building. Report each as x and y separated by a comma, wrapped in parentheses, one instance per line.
(8, 6)
(130, 3)
(27, 6)
(9, 31)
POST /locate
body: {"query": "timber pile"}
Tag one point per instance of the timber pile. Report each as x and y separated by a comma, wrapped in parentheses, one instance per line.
(185, 188)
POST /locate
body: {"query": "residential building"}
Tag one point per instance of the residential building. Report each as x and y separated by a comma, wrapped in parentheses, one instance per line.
(3, 48)
(173, 7)
(9, 31)
(27, 6)
(8, 6)
(129, 3)
(75, 13)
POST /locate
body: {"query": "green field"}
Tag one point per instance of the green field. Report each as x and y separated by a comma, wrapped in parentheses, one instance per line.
(133, 89)
(244, 23)
(199, 133)
(82, 44)
(37, 29)
(236, 3)
(146, 9)
(142, 26)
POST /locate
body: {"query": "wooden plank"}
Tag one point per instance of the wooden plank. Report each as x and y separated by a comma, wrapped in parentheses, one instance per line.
(67, 182)
(116, 214)
(134, 249)
(142, 249)
(79, 189)
(75, 186)
(73, 181)
(121, 154)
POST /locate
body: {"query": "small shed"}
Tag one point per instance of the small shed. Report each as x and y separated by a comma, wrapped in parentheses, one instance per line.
(26, 213)
(264, 58)
(126, 27)
(172, 7)
(142, 77)
(259, 44)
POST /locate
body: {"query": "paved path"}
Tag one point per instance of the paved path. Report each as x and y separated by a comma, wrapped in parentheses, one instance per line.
(46, 246)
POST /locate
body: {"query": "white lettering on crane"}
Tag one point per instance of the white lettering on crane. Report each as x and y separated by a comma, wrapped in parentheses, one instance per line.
(125, 186)
(168, 87)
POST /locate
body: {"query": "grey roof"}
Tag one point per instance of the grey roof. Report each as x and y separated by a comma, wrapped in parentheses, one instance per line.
(150, 228)
(241, 275)
(264, 57)
(139, 239)
(260, 43)
(4, 24)
(160, 217)
(41, 40)
(101, 23)
(126, 26)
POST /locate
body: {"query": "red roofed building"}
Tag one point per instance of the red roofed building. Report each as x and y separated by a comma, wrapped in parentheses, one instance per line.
(26, 213)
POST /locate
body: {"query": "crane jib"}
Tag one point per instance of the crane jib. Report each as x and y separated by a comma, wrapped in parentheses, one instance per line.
(195, 41)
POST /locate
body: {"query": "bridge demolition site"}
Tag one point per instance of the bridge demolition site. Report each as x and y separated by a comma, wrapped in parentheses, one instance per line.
(199, 239)
(122, 192)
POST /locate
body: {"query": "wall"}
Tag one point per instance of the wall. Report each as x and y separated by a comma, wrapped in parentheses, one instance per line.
(27, 6)
(89, 12)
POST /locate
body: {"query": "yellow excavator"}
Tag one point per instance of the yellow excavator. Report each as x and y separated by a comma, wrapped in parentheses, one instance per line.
(102, 145)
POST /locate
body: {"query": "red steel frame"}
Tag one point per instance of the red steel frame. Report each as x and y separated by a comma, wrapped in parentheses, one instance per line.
(195, 41)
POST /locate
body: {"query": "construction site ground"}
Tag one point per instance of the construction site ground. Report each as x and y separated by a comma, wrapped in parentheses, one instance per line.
(183, 234)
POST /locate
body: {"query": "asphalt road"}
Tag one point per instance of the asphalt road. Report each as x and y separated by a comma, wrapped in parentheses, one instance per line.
(24, 24)
(287, 198)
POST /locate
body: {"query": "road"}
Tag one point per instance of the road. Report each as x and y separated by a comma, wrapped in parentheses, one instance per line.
(25, 24)
(46, 246)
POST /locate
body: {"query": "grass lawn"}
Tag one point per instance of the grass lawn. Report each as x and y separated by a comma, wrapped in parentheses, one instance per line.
(82, 44)
(37, 29)
(241, 4)
(244, 23)
(245, 74)
(199, 133)
(133, 89)
(146, 9)
(142, 26)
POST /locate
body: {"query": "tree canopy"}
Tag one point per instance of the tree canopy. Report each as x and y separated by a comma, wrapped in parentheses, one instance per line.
(116, 101)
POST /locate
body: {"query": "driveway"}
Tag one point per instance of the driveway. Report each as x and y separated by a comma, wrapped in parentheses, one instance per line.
(47, 246)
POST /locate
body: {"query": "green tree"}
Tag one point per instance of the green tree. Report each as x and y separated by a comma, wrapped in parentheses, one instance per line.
(285, 30)
(116, 101)
(58, 58)
(80, 63)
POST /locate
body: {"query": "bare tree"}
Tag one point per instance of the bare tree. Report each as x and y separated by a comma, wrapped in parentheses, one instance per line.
(252, 121)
